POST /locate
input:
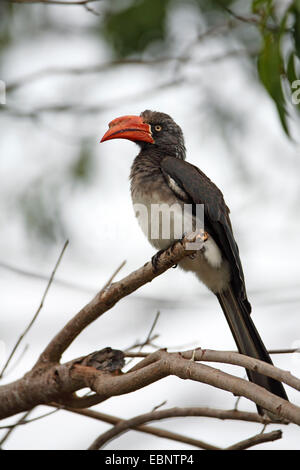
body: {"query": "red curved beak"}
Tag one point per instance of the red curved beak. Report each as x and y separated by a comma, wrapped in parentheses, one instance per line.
(129, 127)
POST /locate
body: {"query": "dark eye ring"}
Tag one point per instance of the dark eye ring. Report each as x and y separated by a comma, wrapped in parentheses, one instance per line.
(158, 128)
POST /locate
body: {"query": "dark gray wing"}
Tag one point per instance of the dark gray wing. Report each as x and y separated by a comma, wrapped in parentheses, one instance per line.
(201, 190)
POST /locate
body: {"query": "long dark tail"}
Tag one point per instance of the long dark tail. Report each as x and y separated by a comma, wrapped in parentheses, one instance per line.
(248, 340)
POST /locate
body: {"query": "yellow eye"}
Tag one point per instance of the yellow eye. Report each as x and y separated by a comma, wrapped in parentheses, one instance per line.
(158, 128)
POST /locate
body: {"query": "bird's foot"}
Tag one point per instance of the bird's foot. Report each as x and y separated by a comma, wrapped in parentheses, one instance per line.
(201, 237)
(197, 244)
(204, 236)
(196, 241)
(155, 260)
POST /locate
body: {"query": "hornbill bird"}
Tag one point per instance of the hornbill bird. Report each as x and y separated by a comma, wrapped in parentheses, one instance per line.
(160, 175)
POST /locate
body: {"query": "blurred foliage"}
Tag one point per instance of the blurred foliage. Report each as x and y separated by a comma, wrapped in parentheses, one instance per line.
(132, 28)
(276, 63)
(6, 10)
(41, 210)
(139, 28)
(83, 167)
(271, 69)
(42, 203)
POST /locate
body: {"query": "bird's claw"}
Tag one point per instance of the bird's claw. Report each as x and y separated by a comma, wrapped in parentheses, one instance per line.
(155, 260)
(193, 355)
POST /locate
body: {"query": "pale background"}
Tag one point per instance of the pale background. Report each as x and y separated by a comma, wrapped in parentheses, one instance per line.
(42, 204)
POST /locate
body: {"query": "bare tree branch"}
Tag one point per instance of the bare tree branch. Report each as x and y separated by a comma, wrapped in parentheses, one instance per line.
(162, 433)
(95, 108)
(161, 300)
(255, 20)
(107, 298)
(247, 362)
(88, 69)
(257, 439)
(107, 66)
(56, 383)
(205, 412)
(43, 277)
(126, 425)
(137, 422)
(284, 351)
(219, 379)
(50, 381)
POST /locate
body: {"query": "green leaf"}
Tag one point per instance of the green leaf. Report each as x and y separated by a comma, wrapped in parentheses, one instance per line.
(133, 28)
(259, 6)
(290, 70)
(270, 69)
(296, 32)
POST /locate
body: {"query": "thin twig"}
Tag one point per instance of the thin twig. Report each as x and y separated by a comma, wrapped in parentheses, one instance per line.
(284, 351)
(107, 66)
(91, 10)
(236, 404)
(38, 310)
(257, 439)
(149, 338)
(126, 425)
(136, 354)
(165, 434)
(138, 344)
(11, 429)
(94, 108)
(114, 274)
(89, 69)
(90, 290)
(129, 353)
(108, 297)
(22, 354)
(44, 277)
(248, 362)
(205, 412)
(156, 407)
(151, 329)
(28, 421)
(245, 19)
(175, 302)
